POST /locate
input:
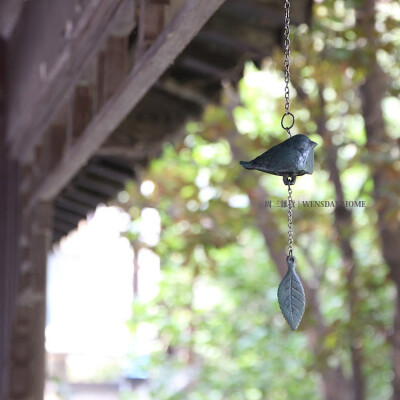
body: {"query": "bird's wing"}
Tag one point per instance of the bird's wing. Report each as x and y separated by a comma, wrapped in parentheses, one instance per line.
(266, 160)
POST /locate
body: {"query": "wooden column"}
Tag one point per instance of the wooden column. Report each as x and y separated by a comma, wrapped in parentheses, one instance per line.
(9, 211)
(28, 338)
(29, 260)
(8, 261)
(41, 240)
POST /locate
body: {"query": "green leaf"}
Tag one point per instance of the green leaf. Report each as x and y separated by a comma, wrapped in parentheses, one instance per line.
(291, 296)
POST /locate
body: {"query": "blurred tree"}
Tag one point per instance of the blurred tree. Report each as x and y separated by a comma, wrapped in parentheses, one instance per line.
(219, 330)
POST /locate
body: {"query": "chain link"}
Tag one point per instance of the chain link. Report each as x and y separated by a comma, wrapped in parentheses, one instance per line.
(287, 62)
(288, 113)
(290, 221)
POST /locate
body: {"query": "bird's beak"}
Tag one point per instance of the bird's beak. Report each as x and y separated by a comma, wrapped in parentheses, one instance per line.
(246, 164)
(314, 144)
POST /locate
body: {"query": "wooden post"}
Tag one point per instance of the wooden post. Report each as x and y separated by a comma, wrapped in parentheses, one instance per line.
(41, 241)
(8, 261)
(28, 341)
(9, 222)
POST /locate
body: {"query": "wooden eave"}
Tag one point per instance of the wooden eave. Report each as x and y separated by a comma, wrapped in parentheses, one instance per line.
(126, 77)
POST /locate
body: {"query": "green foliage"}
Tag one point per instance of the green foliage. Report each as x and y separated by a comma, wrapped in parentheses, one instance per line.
(216, 314)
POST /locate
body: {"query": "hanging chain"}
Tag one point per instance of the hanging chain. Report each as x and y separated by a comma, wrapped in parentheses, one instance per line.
(290, 221)
(290, 286)
(287, 70)
(287, 55)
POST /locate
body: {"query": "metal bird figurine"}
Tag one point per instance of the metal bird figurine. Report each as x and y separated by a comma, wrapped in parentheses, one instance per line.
(291, 158)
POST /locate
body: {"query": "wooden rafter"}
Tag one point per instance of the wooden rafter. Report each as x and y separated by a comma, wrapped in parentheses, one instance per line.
(187, 22)
(94, 26)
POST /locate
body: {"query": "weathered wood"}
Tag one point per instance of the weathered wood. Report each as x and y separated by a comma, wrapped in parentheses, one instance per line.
(72, 205)
(145, 73)
(83, 196)
(58, 140)
(203, 68)
(154, 21)
(227, 41)
(64, 226)
(99, 86)
(42, 221)
(41, 161)
(57, 235)
(9, 220)
(254, 13)
(259, 38)
(111, 69)
(41, 241)
(110, 173)
(100, 186)
(165, 2)
(81, 110)
(45, 153)
(263, 15)
(9, 244)
(27, 356)
(125, 20)
(10, 11)
(115, 65)
(68, 217)
(93, 27)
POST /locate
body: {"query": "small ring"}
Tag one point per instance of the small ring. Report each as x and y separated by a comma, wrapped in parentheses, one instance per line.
(286, 128)
(291, 257)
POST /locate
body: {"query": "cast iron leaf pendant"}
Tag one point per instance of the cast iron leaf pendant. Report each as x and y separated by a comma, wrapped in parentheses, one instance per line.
(291, 296)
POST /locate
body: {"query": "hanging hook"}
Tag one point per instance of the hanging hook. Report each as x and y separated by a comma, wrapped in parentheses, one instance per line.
(289, 179)
(287, 127)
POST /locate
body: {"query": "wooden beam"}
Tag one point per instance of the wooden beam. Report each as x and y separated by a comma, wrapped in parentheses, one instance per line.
(98, 186)
(67, 216)
(10, 10)
(184, 26)
(154, 12)
(151, 24)
(255, 13)
(115, 65)
(109, 173)
(58, 140)
(65, 227)
(204, 68)
(262, 39)
(94, 26)
(81, 109)
(72, 205)
(83, 196)
(99, 86)
(228, 42)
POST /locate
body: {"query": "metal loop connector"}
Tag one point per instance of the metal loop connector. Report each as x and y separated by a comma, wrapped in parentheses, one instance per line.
(290, 126)
(289, 179)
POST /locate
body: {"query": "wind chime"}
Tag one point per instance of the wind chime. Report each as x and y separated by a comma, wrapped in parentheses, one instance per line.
(289, 159)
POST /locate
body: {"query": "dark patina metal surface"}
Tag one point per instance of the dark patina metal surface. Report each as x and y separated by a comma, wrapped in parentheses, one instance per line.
(291, 296)
(293, 157)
